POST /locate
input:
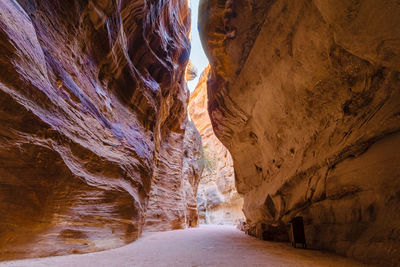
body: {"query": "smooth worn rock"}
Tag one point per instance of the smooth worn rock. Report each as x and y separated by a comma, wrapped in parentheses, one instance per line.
(217, 198)
(305, 95)
(92, 99)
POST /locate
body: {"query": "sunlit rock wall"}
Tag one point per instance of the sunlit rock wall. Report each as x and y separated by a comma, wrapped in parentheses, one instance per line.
(92, 96)
(217, 198)
(305, 95)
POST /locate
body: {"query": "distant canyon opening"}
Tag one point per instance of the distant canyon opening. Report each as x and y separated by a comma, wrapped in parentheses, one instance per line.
(217, 199)
(218, 202)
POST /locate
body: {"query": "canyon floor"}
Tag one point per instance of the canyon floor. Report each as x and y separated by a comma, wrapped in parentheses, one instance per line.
(208, 245)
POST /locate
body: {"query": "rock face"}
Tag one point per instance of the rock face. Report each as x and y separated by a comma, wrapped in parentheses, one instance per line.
(173, 196)
(217, 198)
(191, 173)
(305, 95)
(93, 99)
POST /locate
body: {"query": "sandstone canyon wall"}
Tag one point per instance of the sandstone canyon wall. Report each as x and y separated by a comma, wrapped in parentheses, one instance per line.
(217, 198)
(92, 100)
(172, 202)
(192, 170)
(305, 95)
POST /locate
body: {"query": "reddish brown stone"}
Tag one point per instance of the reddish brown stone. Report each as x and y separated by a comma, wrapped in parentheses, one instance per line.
(92, 94)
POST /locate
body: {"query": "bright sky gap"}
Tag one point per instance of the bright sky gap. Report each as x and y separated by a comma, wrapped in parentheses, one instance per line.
(197, 55)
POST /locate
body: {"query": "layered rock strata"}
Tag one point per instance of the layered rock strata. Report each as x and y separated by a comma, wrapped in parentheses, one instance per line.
(192, 170)
(217, 198)
(93, 96)
(172, 202)
(305, 95)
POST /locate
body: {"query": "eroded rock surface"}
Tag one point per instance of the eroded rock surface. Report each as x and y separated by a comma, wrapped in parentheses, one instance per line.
(172, 202)
(92, 98)
(217, 198)
(305, 95)
(192, 170)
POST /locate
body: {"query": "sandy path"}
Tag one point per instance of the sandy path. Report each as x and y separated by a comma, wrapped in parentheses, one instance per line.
(204, 246)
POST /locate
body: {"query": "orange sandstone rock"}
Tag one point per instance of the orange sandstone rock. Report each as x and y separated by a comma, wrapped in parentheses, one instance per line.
(172, 202)
(305, 95)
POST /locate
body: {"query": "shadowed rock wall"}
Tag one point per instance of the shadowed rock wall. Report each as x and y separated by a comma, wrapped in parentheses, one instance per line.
(305, 95)
(172, 202)
(92, 94)
(191, 173)
(217, 199)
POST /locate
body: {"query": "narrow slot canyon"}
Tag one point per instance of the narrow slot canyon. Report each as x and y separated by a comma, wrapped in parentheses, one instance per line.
(218, 202)
(123, 143)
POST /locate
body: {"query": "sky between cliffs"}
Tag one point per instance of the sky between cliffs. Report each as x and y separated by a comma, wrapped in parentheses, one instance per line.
(197, 55)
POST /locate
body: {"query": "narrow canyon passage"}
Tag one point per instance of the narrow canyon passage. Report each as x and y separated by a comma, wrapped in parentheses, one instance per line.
(208, 245)
(106, 140)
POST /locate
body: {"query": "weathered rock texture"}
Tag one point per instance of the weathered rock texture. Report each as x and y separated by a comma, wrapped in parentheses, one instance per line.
(305, 95)
(191, 71)
(92, 101)
(172, 202)
(192, 170)
(217, 198)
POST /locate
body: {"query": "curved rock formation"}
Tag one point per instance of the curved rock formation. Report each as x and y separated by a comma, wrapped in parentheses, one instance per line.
(217, 198)
(191, 71)
(305, 95)
(93, 97)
